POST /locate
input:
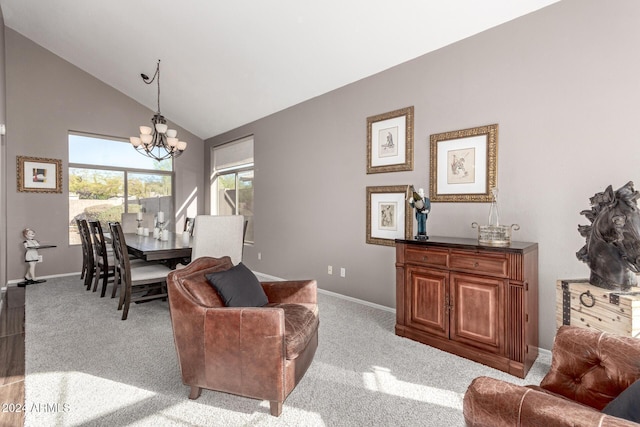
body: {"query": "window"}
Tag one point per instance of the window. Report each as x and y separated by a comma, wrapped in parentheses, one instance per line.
(232, 181)
(108, 177)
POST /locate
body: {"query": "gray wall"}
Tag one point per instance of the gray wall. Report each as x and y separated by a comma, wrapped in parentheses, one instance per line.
(562, 83)
(46, 98)
(3, 161)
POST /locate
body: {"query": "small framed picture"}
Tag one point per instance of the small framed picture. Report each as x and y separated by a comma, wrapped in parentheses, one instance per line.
(390, 141)
(387, 215)
(39, 175)
(464, 165)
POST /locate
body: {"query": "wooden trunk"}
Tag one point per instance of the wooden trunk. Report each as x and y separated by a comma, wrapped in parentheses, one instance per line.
(579, 303)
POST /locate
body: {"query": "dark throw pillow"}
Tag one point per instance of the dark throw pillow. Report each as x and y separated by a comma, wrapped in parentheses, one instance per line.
(626, 405)
(238, 287)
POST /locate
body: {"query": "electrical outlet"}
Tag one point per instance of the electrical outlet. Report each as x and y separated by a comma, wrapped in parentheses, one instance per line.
(329, 270)
(259, 256)
(343, 272)
(39, 258)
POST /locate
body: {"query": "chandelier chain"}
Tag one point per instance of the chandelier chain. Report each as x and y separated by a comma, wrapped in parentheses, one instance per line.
(148, 81)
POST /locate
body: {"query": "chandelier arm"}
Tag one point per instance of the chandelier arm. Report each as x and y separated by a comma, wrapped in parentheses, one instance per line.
(149, 153)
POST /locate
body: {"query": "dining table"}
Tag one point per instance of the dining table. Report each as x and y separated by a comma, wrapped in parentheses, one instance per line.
(172, 251)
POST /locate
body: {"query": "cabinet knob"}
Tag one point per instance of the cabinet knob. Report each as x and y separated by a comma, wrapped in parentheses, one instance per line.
(476, 265)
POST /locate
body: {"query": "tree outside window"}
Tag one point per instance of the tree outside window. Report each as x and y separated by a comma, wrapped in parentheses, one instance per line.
(108, 178)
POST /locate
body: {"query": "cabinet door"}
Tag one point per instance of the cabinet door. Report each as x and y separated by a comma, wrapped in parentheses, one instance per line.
(426, 306)
(477, 311)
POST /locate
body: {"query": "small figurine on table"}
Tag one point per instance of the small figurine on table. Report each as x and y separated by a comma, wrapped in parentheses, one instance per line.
(422, 205)
(31, 255)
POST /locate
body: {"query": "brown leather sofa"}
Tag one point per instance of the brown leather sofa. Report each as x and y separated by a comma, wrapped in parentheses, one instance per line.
(588, 370)
(256, 352)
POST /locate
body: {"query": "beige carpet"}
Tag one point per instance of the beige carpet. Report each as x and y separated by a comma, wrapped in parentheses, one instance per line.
(86, 367)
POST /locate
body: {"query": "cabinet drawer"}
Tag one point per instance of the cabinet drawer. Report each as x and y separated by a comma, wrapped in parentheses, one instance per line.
(427, 256)
(481, 263)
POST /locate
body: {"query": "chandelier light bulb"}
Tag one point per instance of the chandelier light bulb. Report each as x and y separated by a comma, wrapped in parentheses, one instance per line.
(145, 130)
(182, 145)
(135, 141)
(172, 133)
(161, 127)
(172, 142)
(146, 139)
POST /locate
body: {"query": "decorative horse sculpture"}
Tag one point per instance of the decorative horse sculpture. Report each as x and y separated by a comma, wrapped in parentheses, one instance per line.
(612, 251)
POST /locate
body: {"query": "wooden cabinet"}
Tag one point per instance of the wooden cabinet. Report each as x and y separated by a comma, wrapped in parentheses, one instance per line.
(475, 301)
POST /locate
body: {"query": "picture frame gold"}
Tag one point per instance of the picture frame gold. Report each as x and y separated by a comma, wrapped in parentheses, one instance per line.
(388, 217)
(39, 175)
(390, 141)
(464, 165)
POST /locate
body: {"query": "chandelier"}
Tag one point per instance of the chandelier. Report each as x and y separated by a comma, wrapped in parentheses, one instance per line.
(157, 141)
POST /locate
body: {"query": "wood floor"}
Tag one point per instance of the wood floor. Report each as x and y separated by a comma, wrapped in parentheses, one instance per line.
(12, 356)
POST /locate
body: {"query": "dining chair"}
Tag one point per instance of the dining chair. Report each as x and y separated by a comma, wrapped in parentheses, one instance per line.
(83, 272)
(188, 225)
(133, 261)
(217, 236)
(144, 282)
(104, 261)
(129, 222)
(87, 253)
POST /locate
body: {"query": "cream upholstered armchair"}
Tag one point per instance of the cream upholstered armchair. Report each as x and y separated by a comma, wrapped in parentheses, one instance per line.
(262, 351)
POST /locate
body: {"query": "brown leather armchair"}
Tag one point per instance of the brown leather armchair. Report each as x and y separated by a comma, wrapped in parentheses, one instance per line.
(588, 370)
(257, 352)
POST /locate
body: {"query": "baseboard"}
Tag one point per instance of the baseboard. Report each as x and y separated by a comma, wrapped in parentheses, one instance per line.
(541, 351)
(334, 294)
(268, 276)
(544, 352)
(358, 301)
(14, 282)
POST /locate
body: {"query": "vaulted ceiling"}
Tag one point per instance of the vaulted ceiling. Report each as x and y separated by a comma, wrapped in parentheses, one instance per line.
(227, 63)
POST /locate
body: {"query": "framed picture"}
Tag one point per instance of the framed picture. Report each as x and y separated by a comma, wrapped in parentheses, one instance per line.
(390, 141)
(38, 175)
(464, 165)
(387, 215)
